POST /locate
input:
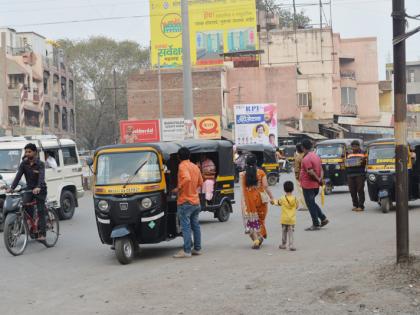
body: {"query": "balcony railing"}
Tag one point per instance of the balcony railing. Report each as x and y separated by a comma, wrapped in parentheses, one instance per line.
(17, 51)
(349, 109)
(348, 75)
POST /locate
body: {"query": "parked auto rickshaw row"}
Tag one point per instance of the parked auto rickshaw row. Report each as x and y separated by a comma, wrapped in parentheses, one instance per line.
(380, 168)
(132, 191)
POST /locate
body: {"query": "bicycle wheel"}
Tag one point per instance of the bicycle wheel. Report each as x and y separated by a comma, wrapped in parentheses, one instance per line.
(52, 229)
(15, 234)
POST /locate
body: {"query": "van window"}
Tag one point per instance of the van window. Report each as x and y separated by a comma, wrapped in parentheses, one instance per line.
(70, 156)
(54, 153)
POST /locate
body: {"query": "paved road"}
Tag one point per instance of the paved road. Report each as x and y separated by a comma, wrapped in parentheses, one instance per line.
(80, 275)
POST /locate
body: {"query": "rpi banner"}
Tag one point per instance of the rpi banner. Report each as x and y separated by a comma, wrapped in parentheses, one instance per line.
(256, 123)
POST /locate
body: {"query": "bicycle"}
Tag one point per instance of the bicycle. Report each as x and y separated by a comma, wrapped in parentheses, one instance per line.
(20, 226)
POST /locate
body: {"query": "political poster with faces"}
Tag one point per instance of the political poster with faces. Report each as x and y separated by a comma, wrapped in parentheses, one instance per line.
(256, 124)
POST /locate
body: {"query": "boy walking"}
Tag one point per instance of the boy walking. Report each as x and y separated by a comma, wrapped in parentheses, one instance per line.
(289, 205)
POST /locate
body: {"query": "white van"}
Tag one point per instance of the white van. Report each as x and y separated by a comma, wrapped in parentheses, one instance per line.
(64, 183)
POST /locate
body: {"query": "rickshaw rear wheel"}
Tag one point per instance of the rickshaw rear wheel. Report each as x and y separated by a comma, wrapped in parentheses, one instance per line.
(223, 213)
(124, 250)
(272, 180)
(328, 189)
(385, 205)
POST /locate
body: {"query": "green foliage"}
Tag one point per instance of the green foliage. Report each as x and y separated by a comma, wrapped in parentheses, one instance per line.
(93, 62)
(285, 16)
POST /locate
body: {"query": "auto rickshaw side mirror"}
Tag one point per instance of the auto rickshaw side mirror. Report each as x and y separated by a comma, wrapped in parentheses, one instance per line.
(89, 162)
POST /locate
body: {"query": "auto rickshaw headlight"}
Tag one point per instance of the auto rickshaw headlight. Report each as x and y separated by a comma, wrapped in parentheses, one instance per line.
(338, 166)
(103, 205)
(146, 203)
(372, 177)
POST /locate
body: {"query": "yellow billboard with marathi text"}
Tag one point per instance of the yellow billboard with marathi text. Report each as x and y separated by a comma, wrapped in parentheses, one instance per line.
(216, 27)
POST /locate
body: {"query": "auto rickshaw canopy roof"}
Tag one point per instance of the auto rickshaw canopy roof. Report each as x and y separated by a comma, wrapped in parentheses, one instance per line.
(413, 143)
(269, 152)
(223, 148)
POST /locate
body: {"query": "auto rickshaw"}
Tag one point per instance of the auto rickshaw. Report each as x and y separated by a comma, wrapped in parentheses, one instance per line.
(381, 172)
(132, 191)
(333, 154)
(266, 160)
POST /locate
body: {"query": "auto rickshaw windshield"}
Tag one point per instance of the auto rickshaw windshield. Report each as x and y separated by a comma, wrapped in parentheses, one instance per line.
(117, 168)
(381, 154)
(330, 150)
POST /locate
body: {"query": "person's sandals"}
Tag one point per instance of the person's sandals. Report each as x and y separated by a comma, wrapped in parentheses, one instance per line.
(324, 222)
(354, 209)
(256, 244)
(282, 247)
(312, 228)
(359, 209)
(182, 254)
(292, 249)
(195, 252)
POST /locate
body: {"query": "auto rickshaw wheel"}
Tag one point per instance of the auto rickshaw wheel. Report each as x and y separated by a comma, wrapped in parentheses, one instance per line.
(223, 213)
(328, 189)
(385, 205)
(272, 180)
(124, 250)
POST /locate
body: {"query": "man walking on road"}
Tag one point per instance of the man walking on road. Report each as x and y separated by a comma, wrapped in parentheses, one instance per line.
(356, 174)
(311, 175)
(189, 183)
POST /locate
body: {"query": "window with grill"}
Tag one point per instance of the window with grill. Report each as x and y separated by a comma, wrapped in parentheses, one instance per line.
(348, 96)
(305, 99)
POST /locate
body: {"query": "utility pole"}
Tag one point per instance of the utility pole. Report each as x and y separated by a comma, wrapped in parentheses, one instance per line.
(160, 100)
(186, 61)
(114, 88)
(401, 157)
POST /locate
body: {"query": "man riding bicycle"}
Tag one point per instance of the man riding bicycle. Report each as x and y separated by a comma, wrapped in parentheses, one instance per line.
(34, 170)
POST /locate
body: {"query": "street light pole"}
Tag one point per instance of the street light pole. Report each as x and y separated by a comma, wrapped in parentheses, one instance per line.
(160, 100)
(186, 61)
(401, 157)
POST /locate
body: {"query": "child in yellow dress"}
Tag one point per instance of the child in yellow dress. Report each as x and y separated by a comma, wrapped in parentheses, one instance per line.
(289, 205)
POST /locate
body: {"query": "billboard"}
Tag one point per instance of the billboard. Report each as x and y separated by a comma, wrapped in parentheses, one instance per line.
(216, 27)
(173, 129)
(256, 123)
(208, 127)
(133, 131)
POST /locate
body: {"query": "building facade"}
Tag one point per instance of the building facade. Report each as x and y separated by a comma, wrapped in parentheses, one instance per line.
(36, 87)
(335, 76)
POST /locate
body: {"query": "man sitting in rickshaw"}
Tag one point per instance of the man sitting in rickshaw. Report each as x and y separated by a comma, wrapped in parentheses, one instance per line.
(208, 172)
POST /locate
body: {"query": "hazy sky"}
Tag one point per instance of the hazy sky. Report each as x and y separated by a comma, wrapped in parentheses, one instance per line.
(351, 18)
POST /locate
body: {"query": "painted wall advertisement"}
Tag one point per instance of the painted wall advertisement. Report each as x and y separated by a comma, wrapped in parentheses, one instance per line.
(256, 123)
(216, 27)
(173, 129)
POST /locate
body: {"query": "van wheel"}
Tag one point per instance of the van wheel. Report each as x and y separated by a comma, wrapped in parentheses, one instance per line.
(272, 180)
(223, 213)
(124, 250)
(385, 205)
(68, 205)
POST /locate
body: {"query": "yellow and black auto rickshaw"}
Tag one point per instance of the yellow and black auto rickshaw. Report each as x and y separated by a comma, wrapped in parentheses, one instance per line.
(266, 160)
(381, 172)
(333, 154)
(132, 191)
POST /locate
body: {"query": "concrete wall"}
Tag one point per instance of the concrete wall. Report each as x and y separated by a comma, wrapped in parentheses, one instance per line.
(143, 96)
(264, 85)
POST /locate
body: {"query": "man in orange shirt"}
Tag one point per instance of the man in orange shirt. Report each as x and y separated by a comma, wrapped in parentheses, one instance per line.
(189, 183)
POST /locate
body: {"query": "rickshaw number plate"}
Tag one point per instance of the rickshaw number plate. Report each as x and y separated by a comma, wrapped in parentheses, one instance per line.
(124, 206)
(152, 224)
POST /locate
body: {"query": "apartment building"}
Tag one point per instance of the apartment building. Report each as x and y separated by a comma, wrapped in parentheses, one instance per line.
(36, 87)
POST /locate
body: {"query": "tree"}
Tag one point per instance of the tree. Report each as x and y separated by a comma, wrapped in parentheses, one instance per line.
(93, 62)
(285, 17)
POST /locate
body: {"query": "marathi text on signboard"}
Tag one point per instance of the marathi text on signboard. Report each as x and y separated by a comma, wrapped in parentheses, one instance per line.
(133, 131)
(216, 27)
(256, 123)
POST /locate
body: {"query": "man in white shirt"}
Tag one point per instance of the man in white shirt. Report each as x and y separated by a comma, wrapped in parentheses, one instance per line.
(50, 161)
